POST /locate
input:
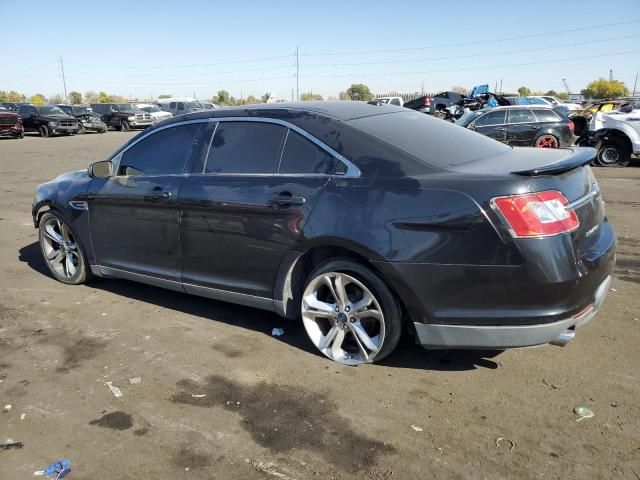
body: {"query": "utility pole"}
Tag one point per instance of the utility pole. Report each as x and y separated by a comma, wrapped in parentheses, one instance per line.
(634, 85)
(610, 75)
(64, 80)
(500, 86)
(297, 73)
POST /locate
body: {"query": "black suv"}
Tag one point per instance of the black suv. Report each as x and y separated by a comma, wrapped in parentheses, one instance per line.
(122, 116)
(47, 120)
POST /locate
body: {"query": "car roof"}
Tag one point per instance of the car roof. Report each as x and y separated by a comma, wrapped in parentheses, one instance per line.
(341, 110)
(511, 107)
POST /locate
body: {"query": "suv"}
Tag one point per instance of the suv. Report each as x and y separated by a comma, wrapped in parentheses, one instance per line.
(615, 134)
(88, 121)
(47, 120)
(122, 116)
(180, 106)
(522, 126)
(10, 124)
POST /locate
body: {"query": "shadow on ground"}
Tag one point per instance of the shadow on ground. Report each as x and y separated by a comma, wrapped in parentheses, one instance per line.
(408, 354)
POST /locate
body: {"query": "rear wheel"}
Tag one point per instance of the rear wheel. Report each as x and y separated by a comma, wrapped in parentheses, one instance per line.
(547, 141)
(349, 313)
(81, 129)
(614, 151)
(44, 131)
(61, 250)
(124, 126)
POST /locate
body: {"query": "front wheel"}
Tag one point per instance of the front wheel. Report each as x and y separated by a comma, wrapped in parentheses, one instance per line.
(44, 131)
(349, 313)
(613, 152)
(124, 126)
(61, 250)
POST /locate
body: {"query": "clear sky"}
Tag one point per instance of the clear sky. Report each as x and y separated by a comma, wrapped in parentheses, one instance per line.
(144, 48)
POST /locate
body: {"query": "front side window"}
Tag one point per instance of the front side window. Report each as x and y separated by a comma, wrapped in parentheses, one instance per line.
(492, 118)
(303, 156)
(245, 147)
(395, 101)
(443, 95)
(180, 106)
(521, 116)
(163, 153)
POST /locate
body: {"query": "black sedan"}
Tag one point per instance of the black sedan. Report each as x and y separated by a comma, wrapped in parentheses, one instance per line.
(363, 221)
(519, 126)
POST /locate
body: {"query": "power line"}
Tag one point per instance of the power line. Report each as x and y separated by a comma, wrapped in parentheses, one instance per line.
(182, 74)
(476, 42)
(218, 81)
(488, 67)
(456, 57)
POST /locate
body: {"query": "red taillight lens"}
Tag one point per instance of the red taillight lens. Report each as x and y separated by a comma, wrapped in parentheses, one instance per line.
(571, 126)
(537, 214)
(427, 101)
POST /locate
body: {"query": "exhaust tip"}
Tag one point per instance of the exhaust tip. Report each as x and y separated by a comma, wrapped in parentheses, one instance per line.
(564, 338)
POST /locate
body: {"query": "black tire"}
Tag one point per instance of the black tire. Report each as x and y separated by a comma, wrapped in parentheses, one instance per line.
(124, 126)
(614, 152)
(44, 131)
(385, 297)
(81, 129)
(82, 273)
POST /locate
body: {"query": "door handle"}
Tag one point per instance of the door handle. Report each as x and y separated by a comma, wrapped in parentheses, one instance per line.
(285, 199)
(159, 194)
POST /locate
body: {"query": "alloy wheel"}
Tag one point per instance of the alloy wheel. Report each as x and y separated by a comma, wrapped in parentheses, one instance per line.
(343, 318)
(547, 141)
(609, 155)
(60, 248)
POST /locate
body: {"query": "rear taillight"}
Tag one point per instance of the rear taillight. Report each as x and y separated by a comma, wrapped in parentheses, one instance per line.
(571, 126)
(537, 214)
(427, 101)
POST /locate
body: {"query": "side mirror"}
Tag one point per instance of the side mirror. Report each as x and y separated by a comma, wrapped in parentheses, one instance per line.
(471, 126)
(100, 169)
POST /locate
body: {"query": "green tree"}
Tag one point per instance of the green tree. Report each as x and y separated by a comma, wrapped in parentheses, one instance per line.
(461, 90)
(524, 92)
(14, 96)
(359, 91)
(251, 100)
(38, 99)
(343, 96)
(223, 97)
(163, 96)
(75, 98)
(563, 95)
(55, 99)
(310, 96)
(104, 98)
(603, 88)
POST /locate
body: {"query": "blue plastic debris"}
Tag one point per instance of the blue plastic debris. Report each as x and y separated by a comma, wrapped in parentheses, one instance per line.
(59, 469)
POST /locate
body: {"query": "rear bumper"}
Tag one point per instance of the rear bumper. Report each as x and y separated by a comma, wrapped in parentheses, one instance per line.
(435, 336)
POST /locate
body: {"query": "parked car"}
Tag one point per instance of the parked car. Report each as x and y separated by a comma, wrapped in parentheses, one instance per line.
(615, 134)
(556, 102)
(47, 120)
(209, 105)
(88, 120)
(122, 116)
(157, 114)
(581, 118)
(180, 106)
(360, 221)
(10, 124)
(11, 106)
(521, 126)
(387, 101)
(431, 105)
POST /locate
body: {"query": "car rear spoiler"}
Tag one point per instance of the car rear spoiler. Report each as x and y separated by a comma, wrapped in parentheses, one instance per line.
(580, 156)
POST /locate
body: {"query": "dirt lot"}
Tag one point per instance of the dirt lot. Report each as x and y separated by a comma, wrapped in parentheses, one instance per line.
(273, 407)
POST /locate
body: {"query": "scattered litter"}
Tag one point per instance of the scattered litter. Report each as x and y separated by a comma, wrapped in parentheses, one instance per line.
(7, 408)
(198, 396)
(512, 444)
(416, 428)
(135, 380)
(276, 332)
(583, 412)
(9, 445)
(103, 314)
(115, 390)
(22, 417)
(613, 290)
(268, 468)
(60, 469)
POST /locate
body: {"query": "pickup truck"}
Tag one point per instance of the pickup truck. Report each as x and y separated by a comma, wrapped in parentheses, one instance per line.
(432, 104)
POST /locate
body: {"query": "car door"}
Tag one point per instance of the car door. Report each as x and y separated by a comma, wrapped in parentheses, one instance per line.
(239, 216)
(492, 124)
(522, 127)
(28, 115)
(133, 214)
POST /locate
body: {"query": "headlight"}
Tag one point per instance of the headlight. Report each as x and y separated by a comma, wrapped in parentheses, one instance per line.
(53, 124)
(131, 119)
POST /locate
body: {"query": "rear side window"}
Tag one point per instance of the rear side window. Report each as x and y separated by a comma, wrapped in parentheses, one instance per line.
(245, 147)
(395, 101)
(163, 153)
(521, 116)
(429, 140)
(492, 118)
(303, 156)
(172, 105)
(545, 115)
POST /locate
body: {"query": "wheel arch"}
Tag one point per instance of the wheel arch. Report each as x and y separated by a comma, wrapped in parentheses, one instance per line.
(608, 133)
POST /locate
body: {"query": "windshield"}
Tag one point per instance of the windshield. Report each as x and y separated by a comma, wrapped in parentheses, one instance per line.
(151, 109)
(49, 110)
(194, 105)
(82, 110)
(127, 107)
(468, 117)
(428, 139)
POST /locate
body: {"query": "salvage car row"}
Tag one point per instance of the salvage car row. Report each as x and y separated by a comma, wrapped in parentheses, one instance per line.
(62, 119)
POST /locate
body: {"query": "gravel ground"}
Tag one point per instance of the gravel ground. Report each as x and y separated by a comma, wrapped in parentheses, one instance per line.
(219, 397)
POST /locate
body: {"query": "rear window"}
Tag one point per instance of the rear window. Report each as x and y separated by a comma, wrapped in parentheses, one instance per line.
(545, 115)
(434, 142)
